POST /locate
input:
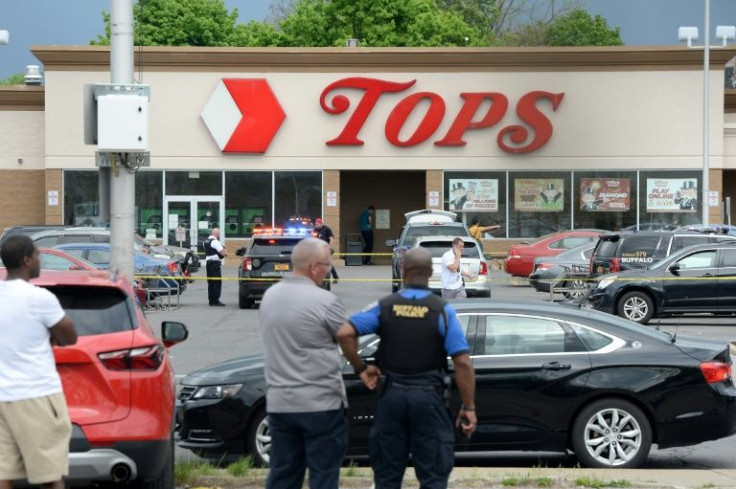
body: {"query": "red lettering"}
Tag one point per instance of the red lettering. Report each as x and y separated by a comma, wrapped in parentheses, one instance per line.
(373, 88)
(527, 111)
(464, 119)
(431, 121)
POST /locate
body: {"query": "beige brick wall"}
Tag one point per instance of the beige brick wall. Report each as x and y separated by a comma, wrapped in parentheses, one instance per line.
(434, 184)
(715, 184)
(21, 198)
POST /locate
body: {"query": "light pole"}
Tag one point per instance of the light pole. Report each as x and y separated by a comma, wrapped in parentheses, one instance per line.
(690, 34)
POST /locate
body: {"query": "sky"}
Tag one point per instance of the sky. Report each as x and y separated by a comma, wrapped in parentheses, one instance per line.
(76, 22)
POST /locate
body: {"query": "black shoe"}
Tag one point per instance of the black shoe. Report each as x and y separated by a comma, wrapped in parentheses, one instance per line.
(217, 304)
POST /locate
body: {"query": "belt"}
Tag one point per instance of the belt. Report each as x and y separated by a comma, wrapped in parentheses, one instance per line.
(415, 387)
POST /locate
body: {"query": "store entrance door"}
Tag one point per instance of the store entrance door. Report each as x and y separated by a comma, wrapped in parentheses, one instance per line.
(190, 219)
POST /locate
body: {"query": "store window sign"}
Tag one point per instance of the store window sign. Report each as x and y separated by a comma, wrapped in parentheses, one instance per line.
(479, 195)
(672, 195)
(605, 194)
(539, 194)
(468, 117)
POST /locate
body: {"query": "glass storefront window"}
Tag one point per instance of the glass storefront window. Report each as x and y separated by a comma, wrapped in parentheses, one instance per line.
(604, 200)
(149, 203)
(81, 198)
(478, 195)
(247, 202)
(298, 194)
(540, 203)
(193, 183)
(669, 199)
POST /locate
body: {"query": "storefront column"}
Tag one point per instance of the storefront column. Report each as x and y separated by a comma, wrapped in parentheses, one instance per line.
(55, 185)
(715, 184)
(331, 217)
(434, 184)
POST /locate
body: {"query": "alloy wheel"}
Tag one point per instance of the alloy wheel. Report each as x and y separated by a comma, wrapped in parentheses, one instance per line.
(636, 308)
(263, 440)
(613, 437)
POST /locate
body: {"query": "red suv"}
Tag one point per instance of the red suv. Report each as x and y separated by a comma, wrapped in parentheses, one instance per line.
(118, 382)
(520, 259)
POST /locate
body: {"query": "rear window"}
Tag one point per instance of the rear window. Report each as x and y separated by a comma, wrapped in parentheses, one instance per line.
(96, 310)
(273, 246)
(639, 247)
(606, 249)
(681, 242)
(415, 232)
(439, 248)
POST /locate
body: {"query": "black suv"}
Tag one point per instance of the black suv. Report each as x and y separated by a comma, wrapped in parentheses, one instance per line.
(695, 280)
(419, 224)
(266, 259)
(621, 251)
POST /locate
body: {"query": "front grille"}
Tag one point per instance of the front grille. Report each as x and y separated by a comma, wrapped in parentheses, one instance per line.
(186, 393)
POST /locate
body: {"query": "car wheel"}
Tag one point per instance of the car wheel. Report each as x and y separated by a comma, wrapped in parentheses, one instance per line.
(578, 290)
(611, 433)
(244, 302)
(166, 479)
(258, 439)
(636, 306)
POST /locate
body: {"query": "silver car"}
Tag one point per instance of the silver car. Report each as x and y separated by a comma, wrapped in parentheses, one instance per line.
(471, 261)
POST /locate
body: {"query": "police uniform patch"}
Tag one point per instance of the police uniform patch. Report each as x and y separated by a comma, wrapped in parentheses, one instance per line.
(409, 311)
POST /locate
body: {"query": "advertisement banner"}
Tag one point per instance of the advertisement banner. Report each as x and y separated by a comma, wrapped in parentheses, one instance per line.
(605, 194)
(539, 194)
(672, 195)
(474, 195)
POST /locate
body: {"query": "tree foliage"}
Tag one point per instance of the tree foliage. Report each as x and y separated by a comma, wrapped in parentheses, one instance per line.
(14, 79)
(578, 28)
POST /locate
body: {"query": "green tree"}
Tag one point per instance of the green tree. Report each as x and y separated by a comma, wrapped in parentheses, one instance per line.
(578, 28)
(376, 23)
(14, 79)
(177, 23)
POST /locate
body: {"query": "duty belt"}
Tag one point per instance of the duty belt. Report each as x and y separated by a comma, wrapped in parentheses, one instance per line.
(416, 387)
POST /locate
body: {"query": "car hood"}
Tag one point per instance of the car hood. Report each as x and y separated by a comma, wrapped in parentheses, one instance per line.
(231, 371)
(170, 250)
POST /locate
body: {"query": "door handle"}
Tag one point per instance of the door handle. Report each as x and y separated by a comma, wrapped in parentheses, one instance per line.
(556, 366)
(708, 275)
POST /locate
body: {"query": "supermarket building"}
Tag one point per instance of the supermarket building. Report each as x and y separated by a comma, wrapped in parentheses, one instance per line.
(533, 139)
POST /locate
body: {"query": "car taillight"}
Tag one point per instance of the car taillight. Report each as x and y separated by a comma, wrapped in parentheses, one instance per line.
(483, 268)
(615, 265)
(173, 267)
(144, 358)
(715, 371)
(542, 266)
(248, 264)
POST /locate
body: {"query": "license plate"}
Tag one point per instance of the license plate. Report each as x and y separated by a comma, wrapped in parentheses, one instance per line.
(281, 266)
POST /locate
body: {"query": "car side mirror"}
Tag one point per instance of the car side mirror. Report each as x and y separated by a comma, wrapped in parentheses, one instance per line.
(241, 251)
(675, 269)
(173, 332)
(391, 243)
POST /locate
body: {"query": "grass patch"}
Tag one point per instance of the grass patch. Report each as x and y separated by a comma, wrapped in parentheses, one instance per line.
(708, 485)
(516, 480)
(351, 470)
(242, 467)
(545, 481)
(597, 483)
(187, 470)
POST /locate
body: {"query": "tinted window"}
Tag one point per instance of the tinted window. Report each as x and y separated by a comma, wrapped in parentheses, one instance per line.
(439, 248)
(592, 340)
(273, 246)
(505, 335)
(703, 259)
(606, 248)
(47, 242)
(728, 257)
(640, 249)
(77, 238)
(572, 242)
(101, 238)
(685, 241)
(77, 253)
(415, 232)
(99, 256)
(54, 262)
(95, 310)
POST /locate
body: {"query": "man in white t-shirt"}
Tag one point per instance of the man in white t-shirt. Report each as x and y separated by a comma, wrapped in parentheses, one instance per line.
(34, 423)
(453, 286)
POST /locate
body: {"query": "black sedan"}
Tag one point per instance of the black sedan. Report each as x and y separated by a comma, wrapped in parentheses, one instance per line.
(549, 378)
(696, 280)
(548, 269)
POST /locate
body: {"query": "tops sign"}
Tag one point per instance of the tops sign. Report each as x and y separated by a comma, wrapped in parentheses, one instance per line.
(244, 115)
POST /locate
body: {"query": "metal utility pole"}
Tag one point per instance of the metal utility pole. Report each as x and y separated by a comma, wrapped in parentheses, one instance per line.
(122, 181)
(706, 118)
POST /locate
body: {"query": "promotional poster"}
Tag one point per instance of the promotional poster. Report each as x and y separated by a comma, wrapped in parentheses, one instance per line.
(474, 195)
(605, 194)
(539, 194)
(672, 195)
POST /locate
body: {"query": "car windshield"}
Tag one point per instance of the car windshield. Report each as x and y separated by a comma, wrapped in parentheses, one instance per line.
(415, 232)
(95, 310)
(273, 246)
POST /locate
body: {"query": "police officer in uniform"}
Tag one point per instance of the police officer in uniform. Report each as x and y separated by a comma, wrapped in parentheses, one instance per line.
(214, 252)
(418, 331)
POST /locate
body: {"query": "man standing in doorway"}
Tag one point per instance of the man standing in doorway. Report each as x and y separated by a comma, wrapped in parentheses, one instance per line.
(214, 253)
(325, 234)
(453, 285)
(305, 395)
(34, 422)
(366, 230)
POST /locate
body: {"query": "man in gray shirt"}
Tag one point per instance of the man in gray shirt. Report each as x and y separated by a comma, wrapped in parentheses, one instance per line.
(305, 394)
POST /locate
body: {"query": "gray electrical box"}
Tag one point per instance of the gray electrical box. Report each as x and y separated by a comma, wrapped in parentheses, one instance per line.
(116, 117)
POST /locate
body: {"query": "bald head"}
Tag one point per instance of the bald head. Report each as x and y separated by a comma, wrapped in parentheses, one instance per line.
(417, 266)
(215, 232)
(309, 250)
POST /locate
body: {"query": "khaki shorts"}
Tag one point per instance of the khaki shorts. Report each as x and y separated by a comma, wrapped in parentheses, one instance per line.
(34, 439)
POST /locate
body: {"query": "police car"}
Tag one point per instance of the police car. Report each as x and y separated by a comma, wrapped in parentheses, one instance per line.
(266, 260)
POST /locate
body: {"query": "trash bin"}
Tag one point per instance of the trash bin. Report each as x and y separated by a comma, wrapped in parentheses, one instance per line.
(353, 244)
